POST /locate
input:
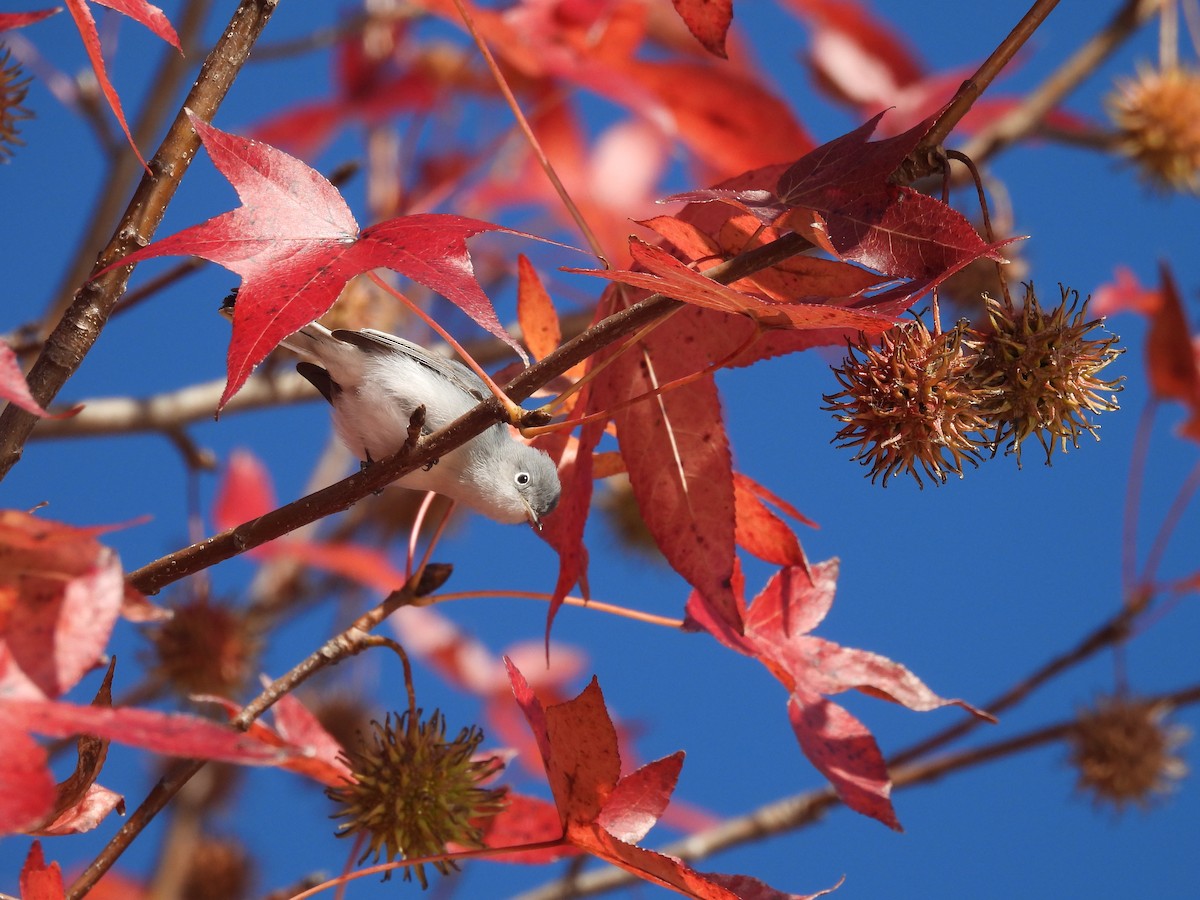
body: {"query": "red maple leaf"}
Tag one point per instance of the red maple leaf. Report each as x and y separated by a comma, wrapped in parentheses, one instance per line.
(138, 10)
(27, 793)
(759, 530)
(62, 591)
(38, 880)
(794, 602)
(708, 21)
(21, 19)
(600, 812)
(295, 243)
(1172, 358)
(312, 751)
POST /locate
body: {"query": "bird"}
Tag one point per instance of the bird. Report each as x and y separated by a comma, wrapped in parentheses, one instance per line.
(375, 381)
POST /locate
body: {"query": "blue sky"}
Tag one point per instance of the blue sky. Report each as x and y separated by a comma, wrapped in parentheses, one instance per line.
(971, 585)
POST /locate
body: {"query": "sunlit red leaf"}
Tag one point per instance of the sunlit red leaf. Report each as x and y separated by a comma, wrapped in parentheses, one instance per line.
(296, 244)
(578, 744)
(793, 602)
(676, 450)
(40, 881)
(81, 803)
(21, 19)
(759, 530)
(640, 798)
(306, 747)
(790, 281)
(85, 814)
(526, 820)
(727, 119)
(708, 20)
(564, 530)
(138, 10)
(747, 888)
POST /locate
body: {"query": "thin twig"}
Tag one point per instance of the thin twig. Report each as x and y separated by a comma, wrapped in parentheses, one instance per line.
(1026, 117)
(926, 158)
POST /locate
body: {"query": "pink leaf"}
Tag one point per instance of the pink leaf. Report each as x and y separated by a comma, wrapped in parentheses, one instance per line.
(66, 593)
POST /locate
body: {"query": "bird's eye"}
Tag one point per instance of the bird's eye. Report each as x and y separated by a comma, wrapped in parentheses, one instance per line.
(522, 479)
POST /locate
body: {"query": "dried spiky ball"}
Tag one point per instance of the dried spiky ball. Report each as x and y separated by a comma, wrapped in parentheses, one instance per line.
(910, 404)
(12, 94)
(218, 869)
(206, 648)
(414, 792)
(1124, 752)
(1157, 116)
(1046, 370)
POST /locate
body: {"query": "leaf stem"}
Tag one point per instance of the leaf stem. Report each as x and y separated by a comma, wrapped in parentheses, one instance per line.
(597, 605)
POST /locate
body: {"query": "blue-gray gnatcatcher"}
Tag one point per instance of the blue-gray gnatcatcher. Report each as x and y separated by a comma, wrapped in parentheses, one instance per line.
(374, 381)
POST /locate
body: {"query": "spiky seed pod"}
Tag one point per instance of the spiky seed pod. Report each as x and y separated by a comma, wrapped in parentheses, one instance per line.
(414, 791)
(1157, 116)
(1124, 752)
(206, 648)
(910, 404)
(12, 94)
(1046, 368)
(218, 870)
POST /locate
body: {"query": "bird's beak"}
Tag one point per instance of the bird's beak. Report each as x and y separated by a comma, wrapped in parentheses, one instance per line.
(532, 517)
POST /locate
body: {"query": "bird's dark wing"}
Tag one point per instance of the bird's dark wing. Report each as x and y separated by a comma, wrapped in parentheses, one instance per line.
(319, 379)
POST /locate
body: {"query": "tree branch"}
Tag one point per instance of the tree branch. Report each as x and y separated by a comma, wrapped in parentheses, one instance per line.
(83, 321)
